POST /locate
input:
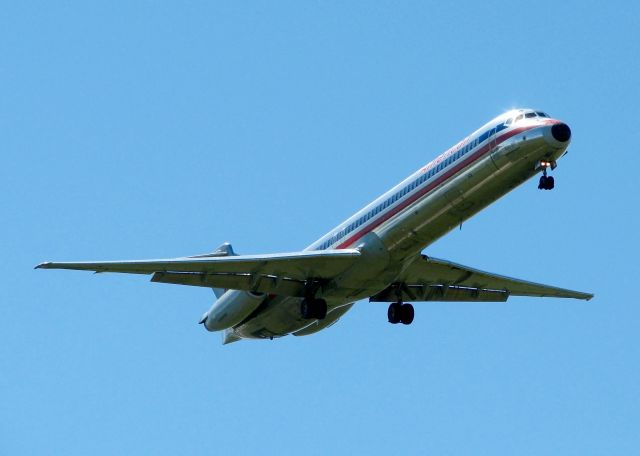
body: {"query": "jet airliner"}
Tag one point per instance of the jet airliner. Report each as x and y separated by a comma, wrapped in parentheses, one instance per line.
(376, 254)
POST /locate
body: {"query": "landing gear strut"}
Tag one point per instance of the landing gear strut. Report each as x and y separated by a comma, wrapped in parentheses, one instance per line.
(400, 312)
(546, 182)
(312, 308)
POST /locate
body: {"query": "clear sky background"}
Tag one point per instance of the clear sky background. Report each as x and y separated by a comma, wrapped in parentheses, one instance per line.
(133, 130)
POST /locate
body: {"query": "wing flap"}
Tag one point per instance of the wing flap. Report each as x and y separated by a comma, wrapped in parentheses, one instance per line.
(249, 282)
(442, 293)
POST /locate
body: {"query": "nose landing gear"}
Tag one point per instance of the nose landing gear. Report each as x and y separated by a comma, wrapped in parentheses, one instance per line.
(546, 182)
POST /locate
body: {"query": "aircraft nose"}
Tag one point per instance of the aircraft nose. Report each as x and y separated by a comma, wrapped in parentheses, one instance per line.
(561, 132)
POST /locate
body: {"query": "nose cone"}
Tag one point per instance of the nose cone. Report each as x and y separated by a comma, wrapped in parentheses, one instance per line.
(561, 132)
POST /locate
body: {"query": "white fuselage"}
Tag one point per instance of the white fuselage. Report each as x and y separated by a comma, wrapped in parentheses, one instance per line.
(398, 225)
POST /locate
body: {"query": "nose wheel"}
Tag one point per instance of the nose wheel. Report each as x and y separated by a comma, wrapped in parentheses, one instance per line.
(546, 182)
(400, 312)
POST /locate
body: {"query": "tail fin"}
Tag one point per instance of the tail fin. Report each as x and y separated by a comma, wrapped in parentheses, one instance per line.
(223, 250)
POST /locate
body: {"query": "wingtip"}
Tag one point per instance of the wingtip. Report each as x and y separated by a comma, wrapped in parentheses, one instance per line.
(44, 265)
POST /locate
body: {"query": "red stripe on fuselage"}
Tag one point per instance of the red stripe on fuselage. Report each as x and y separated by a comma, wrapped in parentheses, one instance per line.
(422, 192)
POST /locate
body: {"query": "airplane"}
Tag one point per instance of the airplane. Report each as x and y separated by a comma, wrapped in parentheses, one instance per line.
(376, 254)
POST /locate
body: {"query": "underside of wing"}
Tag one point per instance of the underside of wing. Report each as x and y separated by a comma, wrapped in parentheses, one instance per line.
(284, 273)
(431, 279)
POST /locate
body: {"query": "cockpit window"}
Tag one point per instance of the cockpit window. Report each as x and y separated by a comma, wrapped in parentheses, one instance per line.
(542, 114)
(530, 115)
(520, 117)
(508, 122)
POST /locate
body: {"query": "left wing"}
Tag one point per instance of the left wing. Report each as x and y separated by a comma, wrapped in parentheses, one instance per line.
(284, 273)
(430, 279)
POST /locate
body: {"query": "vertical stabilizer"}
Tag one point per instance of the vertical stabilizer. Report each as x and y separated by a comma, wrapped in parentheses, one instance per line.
(222, 250)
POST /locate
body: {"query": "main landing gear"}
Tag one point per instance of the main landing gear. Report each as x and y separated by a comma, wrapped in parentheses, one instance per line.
(546, 182)
(400, 312)
(312, 308)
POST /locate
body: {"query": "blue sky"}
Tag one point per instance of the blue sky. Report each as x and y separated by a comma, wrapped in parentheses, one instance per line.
(147, 129)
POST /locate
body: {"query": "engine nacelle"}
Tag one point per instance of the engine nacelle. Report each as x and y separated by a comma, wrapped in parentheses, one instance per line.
(231, 308)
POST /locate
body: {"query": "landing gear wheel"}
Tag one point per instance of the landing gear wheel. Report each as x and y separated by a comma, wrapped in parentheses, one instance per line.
(546, 182)
(313, 309)
(550, 183)
(394, 313)
(406, 314)
(542, 185)
(306, 309)
(321, 309)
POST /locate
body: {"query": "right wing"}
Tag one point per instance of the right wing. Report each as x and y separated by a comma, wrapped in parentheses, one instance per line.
(431, 279)
(284, 273)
